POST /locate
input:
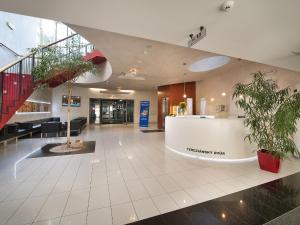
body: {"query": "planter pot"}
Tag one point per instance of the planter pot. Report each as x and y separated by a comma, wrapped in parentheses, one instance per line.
(268, 161)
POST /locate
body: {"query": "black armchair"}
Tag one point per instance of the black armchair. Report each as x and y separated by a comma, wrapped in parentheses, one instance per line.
(50, 128)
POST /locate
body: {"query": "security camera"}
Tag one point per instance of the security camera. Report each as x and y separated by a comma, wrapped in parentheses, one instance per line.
(228, 5)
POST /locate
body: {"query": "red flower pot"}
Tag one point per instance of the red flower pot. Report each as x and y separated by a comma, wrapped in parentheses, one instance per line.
(268, 162)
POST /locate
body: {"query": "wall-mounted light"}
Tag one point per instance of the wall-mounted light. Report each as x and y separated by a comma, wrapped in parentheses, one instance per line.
(37, 101)
(98, 89)
(212, 99)
(10, 25)
(30, 113)
(223, 94)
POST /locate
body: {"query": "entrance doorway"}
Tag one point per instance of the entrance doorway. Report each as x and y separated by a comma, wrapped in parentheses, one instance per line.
(111, 111)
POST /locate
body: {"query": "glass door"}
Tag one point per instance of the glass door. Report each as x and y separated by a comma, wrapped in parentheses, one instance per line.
(95, 111)
(116, 111)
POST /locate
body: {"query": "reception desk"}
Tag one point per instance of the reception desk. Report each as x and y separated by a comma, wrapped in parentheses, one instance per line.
(208, 139)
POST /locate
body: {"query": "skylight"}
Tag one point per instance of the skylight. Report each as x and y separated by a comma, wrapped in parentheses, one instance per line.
(209, 63)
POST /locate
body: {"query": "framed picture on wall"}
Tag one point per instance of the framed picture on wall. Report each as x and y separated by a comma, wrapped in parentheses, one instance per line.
(75, 101)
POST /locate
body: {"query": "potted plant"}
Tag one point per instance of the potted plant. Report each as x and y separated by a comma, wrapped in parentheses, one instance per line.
(182, 108)
(271, 115)
(62, 64)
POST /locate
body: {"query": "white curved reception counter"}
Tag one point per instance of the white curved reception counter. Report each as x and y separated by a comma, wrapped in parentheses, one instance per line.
(208, 139)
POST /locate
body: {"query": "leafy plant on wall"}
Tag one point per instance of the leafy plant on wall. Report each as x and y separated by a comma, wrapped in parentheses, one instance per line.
(62, 63)
(271, 114)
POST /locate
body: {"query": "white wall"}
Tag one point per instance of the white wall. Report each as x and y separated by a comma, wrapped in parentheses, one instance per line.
(212, 87)
(44, 95)
(24, 36)
(86, 94)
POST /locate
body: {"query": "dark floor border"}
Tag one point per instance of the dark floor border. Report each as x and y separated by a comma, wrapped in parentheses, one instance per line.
(88, 147)
(254, 206)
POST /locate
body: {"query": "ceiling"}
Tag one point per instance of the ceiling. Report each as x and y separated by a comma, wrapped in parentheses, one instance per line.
(158, 63)
(262, 31)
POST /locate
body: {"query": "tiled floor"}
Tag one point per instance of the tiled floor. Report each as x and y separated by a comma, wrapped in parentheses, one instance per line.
(273, 203)
(131, 176)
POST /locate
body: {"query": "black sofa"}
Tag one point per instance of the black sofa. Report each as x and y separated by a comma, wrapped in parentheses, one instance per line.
(20, 129)
(8, 132)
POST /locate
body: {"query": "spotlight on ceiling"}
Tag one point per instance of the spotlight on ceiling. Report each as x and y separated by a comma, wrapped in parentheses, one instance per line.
(227, 6)
(195, 38)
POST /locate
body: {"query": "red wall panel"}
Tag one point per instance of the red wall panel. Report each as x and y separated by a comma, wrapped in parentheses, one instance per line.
(175, 94)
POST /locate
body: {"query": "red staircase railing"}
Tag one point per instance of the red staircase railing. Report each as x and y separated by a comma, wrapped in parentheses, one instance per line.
(17, 84)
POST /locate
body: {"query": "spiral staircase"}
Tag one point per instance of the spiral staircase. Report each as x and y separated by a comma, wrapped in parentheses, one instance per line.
(16, 81)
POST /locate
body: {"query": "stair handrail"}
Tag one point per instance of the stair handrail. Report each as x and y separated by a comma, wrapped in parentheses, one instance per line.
(8, 48)
(32, 53)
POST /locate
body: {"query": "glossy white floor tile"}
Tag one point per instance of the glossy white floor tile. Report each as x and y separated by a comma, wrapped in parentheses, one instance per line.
(77, 202)
(165, 203)
(99, 197)
(130, 176)
(100, 217)
(137, 190)
(145, 208)
(27, 212)
(53, 207)
(123, 214)
(76, 219)
(182, 199)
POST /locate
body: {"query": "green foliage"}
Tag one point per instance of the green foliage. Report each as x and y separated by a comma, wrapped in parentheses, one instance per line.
(182, 105)
(63, 57)
(271, 114)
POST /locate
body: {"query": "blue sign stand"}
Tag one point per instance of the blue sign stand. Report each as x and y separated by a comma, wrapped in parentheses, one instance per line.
(144, 113)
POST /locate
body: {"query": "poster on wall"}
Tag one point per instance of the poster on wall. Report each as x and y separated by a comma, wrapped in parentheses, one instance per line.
(144, 113)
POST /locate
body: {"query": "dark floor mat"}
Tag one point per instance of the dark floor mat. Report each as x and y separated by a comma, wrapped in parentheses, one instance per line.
(153, 131)
(38, 135)
(88, 147)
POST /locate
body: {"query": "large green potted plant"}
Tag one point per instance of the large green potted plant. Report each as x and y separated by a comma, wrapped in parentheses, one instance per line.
(271, 115)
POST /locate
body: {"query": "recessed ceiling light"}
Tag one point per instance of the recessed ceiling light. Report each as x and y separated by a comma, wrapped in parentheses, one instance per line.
(126, 91)
(133, 71)
(209, 63)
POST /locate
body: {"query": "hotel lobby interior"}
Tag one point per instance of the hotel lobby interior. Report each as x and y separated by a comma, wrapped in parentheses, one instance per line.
(149, 112)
